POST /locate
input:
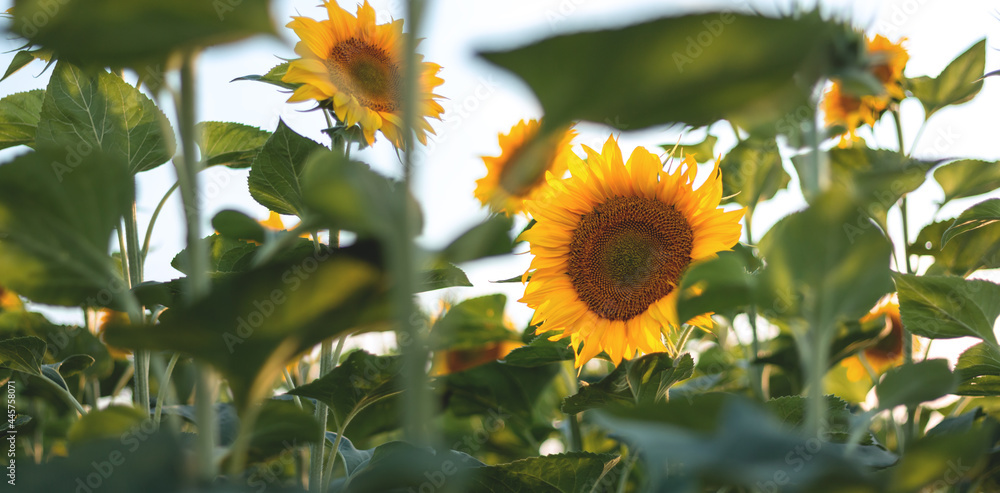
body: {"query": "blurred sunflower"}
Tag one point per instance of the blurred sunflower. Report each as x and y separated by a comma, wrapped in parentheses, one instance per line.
(611, 243)
(9, 300)
(887, 61)
(888, 351)
(456, 359)
(504, 190)
(357, 67)
(102, 319)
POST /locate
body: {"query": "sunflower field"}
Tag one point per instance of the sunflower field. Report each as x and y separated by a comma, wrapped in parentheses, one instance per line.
(635, 330)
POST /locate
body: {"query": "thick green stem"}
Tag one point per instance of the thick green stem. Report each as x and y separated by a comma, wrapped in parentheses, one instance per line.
(161, 396)
(575, 438)
(813, 348)
(65, 394)
(135, 274)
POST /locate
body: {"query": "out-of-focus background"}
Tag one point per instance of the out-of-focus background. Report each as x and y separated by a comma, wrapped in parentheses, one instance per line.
(481, 100)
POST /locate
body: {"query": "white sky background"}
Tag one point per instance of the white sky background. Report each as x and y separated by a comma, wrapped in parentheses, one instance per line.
(482, 101)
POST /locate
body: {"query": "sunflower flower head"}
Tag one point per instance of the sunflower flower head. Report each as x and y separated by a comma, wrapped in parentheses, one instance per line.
(610, 245)
(105, 317)
(886, 61)
(507, 184)
(9, 300)
(887, 352)
(356, 67)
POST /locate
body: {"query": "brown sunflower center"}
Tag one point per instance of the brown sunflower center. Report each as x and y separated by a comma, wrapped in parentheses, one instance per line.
(627, 253)
(367, 72)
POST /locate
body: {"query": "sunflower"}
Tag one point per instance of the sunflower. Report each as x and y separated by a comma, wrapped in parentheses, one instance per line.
(886, 62)
(102, 319)
(505, 191)
(888, 351)
(356, 66)
(9, 300)
(610, 245)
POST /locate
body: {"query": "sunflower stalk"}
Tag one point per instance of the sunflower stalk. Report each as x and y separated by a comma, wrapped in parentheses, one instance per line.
(911, 411)
(132, 255)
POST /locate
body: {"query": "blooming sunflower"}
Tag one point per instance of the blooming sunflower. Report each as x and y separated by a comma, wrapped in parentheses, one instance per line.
(505, 191)
(887, 61)
(610, 245)
(888, 351)
(357, 66)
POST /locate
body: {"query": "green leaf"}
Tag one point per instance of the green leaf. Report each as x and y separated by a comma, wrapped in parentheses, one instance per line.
(238, 226)
(281, 424)
(939, 307)
(929, 460)
(539, 352)
(958, 83)
(978, 371)
(472, 323)
(791, 410)
(55, 225)
(19, 118)
(360, 381)
(718, 285)
(911, 385)
(400, 466)
(975, 217)
(445, 276)
(252, 323)
(229, 144)
(23, 354)
(752, 171)
(123, 32)
(74, 364)
(703, 151)
(85, 112)
(640, 381)
(65, 343)
(964, 254)
(276, 172)
(484, 240)
(840, 284)
(352, 457)
(573, 472)
(21, 59)
(707, 66)
(967, 178)
(110, 422)
(272, 77)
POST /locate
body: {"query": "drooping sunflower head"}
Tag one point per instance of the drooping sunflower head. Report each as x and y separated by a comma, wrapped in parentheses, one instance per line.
(886, 61)
(887, 352)
(610, 245)
(356, 66)
(507, 184)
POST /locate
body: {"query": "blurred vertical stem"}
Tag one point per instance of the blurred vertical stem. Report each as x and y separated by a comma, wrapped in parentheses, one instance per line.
(134, 259)
(326, 363)
(187, 168)
(416, 407)
(756, 372)
(572, 387)
(911, 411)
(814, 348)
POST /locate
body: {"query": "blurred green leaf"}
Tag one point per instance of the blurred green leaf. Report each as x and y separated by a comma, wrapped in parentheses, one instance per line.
(977, 249)
(230, 144)
(276, 172)
(914, 384)
(967, 178)
(19, 114)
(110, 422)
(703, 151)
(932, 460)
(360, 381)
(825, 264)
(272, 77)
(123, 32)
(539, 352)
(55, 225)
(573, 472)
(281, 426)
(640, 381)
(472, 323)
(752, 171)
(958, 83)
(74, 364)
(63, 342)
(238, 226)
(92, 111)
(252, 323)
(352, 457)
(975, 217)
(490, 238)
(23, 354)
(791, 410)
(939, 307)
(718, 285)
(710, 66)
(400, 466)
(978, 371)
(446, 275)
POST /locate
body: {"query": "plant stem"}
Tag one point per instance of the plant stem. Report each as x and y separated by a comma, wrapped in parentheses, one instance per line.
(633, 455)
(908, 428)
(813, 348)
(187, 167)
(320, 413)
(66, 395)
(164, 386)
(572, 387)
(153, 218)
(135, 275)
(684, 339)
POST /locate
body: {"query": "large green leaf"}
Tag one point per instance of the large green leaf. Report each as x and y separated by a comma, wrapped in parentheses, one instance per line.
(23, 354)
(693, 69)
(92, 111)
(914, 384)
(19, 117)
(573, 472)
(276, 172)
(964, 254)
(930, 462)
(752, 171)
(720, 285)
(539, 352)
(65, 343)
(254, 322)
(55, 223)
(492, 237)
(124, 32)
(825, 265)
(230, 144)
(978, 371)
(967, 178)
(472, 323)
(280, 424)
(792, 409)
(360, 381)
(110, 422)
(980, 215)
(640, 381)
(940, 307)
(958, 83)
